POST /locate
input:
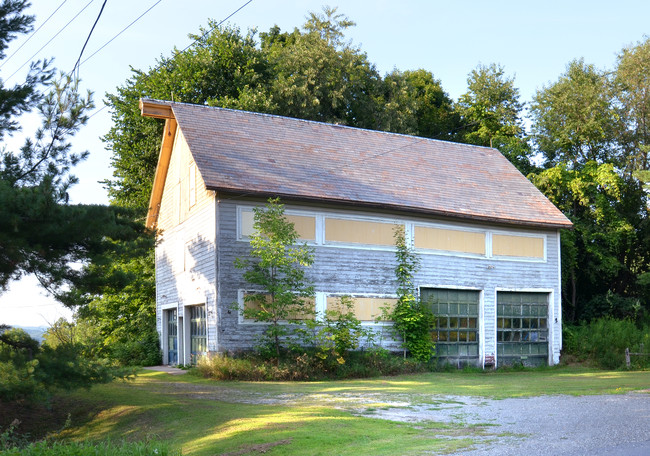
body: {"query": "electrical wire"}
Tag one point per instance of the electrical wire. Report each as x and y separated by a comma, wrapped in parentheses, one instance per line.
(121, 31)
(32, 34)
(51, 39)
(209, 31)
(76, 65)
(185, 49)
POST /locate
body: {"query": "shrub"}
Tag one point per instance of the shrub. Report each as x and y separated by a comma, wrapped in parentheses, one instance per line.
(28, 371)
(142, 352)
(603, 342)
(305, 366)
(335, 334)
(412, 320)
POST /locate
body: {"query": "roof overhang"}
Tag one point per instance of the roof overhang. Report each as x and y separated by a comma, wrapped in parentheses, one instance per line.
(159, 110)
(457, 216)
(156, 109)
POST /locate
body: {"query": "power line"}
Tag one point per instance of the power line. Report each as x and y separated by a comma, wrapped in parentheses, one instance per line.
(209, 31)
(140, 17)
(97, 112)
(121, 31)
(76, 65)
(51, 39)
(32, 35)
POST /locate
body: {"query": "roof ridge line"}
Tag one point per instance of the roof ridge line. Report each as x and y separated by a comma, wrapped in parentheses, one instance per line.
(309, 121)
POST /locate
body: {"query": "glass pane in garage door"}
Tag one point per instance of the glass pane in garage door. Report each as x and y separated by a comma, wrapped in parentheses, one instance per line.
(198, 338)
(522, 328)
(172, 336)
(456, 330)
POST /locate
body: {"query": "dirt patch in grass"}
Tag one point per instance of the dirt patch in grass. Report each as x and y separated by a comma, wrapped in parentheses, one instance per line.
(38, 419)
(260, 448)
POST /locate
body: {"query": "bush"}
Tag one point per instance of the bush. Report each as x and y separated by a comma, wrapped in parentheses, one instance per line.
(614, 306)
(603, 342)
(334, 335)
(28, 371)
(305, 366)
(412, 319)
(142, 352)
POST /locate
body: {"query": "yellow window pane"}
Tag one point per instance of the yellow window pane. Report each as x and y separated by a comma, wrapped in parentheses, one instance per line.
(308, 313)
(365, 309)
(359, 232)
(247, 221)
(517, 246)
(449, 240)
(305, 225)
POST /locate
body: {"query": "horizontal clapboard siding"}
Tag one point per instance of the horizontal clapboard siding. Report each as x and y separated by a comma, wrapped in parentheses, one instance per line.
(364, 270)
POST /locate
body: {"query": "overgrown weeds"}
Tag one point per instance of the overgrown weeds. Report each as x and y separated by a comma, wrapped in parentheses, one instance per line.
(306, 366)
(107, 448)
(603, 342)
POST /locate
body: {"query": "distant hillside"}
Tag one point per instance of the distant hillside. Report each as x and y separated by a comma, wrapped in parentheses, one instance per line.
(34, 331)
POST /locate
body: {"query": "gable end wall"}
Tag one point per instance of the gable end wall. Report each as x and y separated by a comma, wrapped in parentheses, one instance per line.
(185, 251)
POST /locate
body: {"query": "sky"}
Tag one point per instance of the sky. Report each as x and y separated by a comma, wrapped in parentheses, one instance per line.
(533, 41)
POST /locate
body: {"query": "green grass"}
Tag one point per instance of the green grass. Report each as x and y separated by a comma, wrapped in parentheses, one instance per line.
(192, 421)
(203, 417)
(495, 384)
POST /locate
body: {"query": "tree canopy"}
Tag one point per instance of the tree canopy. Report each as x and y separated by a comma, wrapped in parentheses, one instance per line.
(40, 233)
(583, 140)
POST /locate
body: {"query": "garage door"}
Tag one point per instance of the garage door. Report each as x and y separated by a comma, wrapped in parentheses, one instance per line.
(456, 329)
(522, 328)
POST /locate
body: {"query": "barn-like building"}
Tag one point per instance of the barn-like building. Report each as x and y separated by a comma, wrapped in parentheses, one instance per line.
(488, 240)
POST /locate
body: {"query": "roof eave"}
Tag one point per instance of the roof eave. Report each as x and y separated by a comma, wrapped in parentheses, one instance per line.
(400, 208)
(159, 110)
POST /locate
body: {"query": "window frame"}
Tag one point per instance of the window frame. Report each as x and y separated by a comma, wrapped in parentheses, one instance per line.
(480, 329)
(552, 318)
(409, 225)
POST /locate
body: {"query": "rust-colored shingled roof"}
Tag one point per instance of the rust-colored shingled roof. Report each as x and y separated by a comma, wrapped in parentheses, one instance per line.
(260, 154)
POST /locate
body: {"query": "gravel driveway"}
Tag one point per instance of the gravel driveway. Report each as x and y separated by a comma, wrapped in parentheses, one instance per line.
(547, 425)
(616, 425)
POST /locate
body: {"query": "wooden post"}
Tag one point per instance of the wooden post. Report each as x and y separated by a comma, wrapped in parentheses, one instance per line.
(627, 357)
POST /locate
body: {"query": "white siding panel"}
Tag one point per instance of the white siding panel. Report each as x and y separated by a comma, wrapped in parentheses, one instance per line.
(186, 268)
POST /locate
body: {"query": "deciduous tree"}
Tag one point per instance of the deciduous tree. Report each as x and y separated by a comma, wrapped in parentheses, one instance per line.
(277, 266)
(574, 120)
(414, 103)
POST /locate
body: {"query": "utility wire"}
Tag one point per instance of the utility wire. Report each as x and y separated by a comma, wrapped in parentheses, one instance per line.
(209, 31)
(107, 43)
(76, 65)
(32, 35)
(121, 31)
(51, 39)
(140, 17)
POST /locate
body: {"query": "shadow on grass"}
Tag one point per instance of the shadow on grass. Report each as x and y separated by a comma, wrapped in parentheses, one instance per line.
(154, 408)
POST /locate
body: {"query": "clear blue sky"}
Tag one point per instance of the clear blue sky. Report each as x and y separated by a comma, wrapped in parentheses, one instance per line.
(533, 41)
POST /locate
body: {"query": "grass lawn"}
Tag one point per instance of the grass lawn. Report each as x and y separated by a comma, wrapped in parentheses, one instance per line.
(203, 417)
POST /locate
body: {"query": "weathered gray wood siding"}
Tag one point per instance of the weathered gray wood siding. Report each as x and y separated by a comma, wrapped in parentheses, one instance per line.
(185, 252)
(370, 271)
(186, 276)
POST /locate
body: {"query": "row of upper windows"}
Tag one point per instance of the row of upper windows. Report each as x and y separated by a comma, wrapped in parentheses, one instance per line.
(337, 230)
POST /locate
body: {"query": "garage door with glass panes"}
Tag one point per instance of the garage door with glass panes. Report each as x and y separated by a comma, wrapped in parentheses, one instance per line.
(198, 337)
(456, 325)
(522, 328)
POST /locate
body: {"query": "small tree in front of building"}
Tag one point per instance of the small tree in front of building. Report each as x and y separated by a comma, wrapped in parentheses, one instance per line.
(277, 269)
(412, 320)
